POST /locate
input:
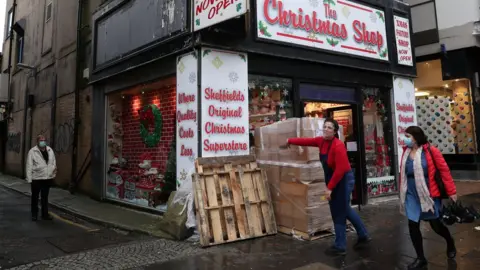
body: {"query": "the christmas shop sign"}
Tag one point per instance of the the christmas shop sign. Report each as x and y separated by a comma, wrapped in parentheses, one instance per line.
(335, 25)
(209, 12)
(187, 116)
(224, 99)
(402, 36)
(404, 107)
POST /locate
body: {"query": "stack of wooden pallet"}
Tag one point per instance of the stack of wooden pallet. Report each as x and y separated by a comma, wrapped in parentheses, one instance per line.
(232, 200)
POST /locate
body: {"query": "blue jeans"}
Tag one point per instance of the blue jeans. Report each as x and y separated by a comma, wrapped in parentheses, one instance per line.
(341, 210)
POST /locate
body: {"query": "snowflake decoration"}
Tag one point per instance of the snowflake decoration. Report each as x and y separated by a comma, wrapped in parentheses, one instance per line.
(192, 157)
(312, 35)
(251, 85)
(369, 47)
(282, 105)
(181, 67)
(314, 3)
(400, 84)
(183, 175)
(346, 11)
(233, 76)
(285, 92)
(373, 17)
(192, 78)
(266, 120)
(217, 62)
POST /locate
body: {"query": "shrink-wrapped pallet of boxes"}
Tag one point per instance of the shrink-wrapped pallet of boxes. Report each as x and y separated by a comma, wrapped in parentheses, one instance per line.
(296, 177)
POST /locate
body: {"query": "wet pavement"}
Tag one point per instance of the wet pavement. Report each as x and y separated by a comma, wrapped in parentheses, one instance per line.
(70, 243)
(390, 249)
(23, 241)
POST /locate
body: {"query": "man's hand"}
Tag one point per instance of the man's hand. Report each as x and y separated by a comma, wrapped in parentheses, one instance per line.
(453, 197)
(328, 195)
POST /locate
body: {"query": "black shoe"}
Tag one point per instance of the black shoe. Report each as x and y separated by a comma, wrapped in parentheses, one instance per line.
(451, 252)
(418, 264)
(34, 218)
(333, 251)
(47, 217)
(362, 242)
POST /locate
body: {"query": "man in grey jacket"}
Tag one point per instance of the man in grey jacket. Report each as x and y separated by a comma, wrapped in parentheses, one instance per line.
(41, 169)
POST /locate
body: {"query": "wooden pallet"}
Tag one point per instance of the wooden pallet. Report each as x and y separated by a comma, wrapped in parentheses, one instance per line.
(232, 200)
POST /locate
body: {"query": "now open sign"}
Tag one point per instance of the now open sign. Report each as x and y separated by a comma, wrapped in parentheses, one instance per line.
(210, 12)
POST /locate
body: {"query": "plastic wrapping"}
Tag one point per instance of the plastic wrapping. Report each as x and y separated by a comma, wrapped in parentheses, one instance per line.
(184, 196)
(295, 174)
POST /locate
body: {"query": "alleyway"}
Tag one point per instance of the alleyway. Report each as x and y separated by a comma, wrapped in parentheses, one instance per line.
(70, 243)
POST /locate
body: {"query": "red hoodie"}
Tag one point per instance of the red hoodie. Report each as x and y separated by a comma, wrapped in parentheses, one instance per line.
(442, 168)
(337, 157)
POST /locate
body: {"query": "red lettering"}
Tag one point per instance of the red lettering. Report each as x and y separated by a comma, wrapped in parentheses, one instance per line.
(224, 95)
(362, 35)
(224, 146)
(405, 107)
(184, 98)
(189, 115)
(212, 128)
(299, 20)
(224, 113)
(186, 152)
(405, 119)
(213, 6)
(185, 134)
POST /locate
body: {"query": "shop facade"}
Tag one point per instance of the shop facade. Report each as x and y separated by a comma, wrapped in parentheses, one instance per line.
(339, 60)
(446, 91)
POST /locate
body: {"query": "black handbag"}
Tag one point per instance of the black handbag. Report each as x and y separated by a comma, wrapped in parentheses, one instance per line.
(438, 179)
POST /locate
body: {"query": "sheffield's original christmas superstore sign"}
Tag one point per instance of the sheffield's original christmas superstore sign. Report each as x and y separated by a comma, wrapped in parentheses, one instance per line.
(224, 111)
(310, 26)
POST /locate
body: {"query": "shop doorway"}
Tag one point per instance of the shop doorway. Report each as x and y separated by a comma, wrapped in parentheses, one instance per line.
(347, 117)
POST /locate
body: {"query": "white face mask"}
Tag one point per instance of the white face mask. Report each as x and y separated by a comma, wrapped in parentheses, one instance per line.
(42, 144)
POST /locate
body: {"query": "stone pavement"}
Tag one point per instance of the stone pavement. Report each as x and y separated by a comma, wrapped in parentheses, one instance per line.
(104, 213)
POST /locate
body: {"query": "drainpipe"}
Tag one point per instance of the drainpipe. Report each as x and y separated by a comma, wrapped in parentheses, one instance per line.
(78, 79)
(9, 87)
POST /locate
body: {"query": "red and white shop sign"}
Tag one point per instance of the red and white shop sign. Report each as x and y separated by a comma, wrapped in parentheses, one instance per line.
(335, 25)
(224, 99)
(405, 109)
(187, 116)
(402, 36)
(209, 12)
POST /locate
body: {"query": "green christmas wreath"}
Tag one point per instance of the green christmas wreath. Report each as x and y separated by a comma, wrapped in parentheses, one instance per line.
(150, 115)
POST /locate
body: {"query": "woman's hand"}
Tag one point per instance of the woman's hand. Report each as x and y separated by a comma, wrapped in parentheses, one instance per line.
(328, 195)
(453, 197)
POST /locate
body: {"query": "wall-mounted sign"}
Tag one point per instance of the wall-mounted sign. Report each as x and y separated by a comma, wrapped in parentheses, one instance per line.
(209, 12)
(334, 25)
(224, 99)
(187, 116)
(405, 109)
(402, 36)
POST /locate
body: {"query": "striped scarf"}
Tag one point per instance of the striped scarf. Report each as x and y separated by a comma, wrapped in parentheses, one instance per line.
(426, 201)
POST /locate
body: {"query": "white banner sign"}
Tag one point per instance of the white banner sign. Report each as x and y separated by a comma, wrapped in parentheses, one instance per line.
(187, 116)
(209, 12)
(402, 36)
(224, 100)
(335, 25)
(404, 107)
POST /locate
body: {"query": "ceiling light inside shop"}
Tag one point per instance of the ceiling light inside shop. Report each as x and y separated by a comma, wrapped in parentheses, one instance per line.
(457, 80)
(446, 85)
(422, 94)
(416, 89)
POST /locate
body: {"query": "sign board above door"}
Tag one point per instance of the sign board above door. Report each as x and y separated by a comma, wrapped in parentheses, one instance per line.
(335, 25)
(210, 12)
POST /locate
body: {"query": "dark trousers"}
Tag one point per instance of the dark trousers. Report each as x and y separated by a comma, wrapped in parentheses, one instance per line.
(42, 188)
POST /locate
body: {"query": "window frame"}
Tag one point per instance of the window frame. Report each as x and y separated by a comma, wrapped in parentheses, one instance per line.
(20, 44)
(9, 24)
(49, 4)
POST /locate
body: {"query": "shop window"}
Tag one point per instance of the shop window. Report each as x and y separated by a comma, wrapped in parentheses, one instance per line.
(378, 143)
(9, 24)
(270, 100)
(141, 150)
(445, 111)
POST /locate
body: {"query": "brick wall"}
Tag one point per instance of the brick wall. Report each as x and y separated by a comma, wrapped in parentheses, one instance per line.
(133, 146)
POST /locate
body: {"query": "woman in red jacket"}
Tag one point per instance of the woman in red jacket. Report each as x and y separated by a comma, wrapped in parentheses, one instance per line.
(340, 181)
(419, 193)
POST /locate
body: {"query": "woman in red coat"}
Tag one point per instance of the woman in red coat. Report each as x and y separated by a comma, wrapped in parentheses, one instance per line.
(419, 193)
(340, 181)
